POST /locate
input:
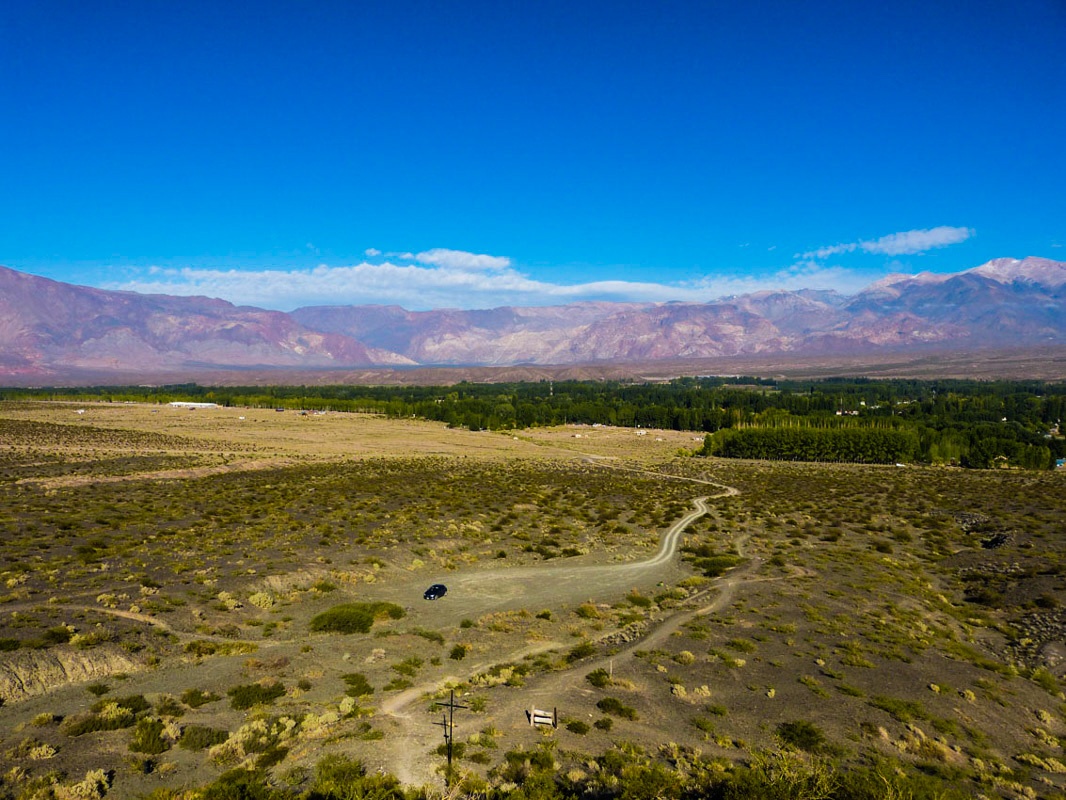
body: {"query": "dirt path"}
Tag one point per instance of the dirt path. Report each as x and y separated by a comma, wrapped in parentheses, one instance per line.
(411, 738)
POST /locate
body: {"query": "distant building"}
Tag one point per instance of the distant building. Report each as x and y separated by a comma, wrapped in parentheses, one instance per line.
(181, 404)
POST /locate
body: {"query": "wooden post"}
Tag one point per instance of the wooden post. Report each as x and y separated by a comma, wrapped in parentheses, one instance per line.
(448, 723)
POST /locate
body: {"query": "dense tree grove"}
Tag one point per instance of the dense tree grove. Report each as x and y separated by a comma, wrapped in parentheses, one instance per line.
(970, 423)
(858, 445)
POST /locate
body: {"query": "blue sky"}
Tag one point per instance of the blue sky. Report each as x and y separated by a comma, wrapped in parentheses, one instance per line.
(475, 154)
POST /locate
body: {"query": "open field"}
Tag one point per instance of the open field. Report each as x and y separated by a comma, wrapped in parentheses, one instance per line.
(165, 572)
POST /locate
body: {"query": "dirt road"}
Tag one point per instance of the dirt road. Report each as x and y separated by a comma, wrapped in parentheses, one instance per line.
(474, 593)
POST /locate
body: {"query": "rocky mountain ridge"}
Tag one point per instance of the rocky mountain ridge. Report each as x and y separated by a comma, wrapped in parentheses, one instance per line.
(50, 329)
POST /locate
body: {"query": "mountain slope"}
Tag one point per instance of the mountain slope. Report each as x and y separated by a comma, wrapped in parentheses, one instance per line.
(49, 328)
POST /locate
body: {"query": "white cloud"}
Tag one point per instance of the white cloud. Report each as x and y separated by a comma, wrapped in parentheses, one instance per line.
(458, 259)
(918, 241)
(454, 279)
(897, 244)
(370, 252)
(825, 252)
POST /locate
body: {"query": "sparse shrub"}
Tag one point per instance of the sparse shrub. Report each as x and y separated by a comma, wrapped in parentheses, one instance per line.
(578, 727)
(428, 635)
(200, 737)
(802, 735)
(458, 652)
(603, 723)
(1045, 680)
(639, 600)
(902, 710)
(239, 784)
(98, 689)
(60, 634)
(169, 707)
(337, 776)
(110, 718)
(251, 694)
(580, 651)
(148, 737)
(201, 648)
(358, 685)
(587, 611)
(136, 703)
(355, 617)
(599, 678)
(262, 600)
(93, 786)
(194, 698)
(615, 707)
(409, 666)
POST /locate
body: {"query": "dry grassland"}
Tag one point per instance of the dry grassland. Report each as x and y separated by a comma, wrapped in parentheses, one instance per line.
(164, 572)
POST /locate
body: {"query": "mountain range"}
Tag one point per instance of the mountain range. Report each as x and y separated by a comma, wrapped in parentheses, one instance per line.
(53, 332)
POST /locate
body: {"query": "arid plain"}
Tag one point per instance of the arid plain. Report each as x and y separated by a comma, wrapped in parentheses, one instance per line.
(169, 576)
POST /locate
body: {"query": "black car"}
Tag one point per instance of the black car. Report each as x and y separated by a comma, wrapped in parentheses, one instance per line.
(435, 592)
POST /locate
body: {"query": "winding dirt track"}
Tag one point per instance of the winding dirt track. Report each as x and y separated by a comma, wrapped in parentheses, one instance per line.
(411, 738)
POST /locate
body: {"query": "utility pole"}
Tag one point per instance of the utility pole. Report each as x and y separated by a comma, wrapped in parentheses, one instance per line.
(448, 724)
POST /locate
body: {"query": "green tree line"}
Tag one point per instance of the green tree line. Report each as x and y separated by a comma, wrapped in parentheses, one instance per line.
(971, 423)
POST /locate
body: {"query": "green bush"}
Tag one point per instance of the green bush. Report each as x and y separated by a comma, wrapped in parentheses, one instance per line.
(169, 707)
(615, 707)
(240, 784)
(252, 694)
(200, 737)
(599, 678)
(639, 600)
(802, 735)
(134, 703)
(194, 698)
(338, 777)
(358, 685)
(355, 617)
(902, 710)
(111, 719)
(580, 651)
(578, 727)
(458, 652)
(148, 737)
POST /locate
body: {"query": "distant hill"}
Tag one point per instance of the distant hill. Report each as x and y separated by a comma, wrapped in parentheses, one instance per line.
(56, 332)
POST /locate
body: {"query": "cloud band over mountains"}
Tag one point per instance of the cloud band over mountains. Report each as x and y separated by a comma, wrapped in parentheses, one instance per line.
(446, 278)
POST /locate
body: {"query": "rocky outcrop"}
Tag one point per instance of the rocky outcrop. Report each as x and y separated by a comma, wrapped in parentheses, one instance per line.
(27, 673)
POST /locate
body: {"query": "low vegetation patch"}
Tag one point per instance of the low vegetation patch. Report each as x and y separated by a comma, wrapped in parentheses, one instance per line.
(253, 694)
(615, 707)
(200, 737)
(355, 617)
